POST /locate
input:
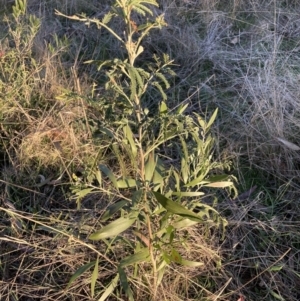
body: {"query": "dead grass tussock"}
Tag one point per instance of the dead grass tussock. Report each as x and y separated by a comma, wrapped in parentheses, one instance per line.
(260, 249)
(56, 139)
(252, 78)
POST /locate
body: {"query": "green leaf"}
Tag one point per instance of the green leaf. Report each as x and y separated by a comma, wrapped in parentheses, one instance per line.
(129, 136)
(150, 167)
(160, 89)
(188, 193)
(184, 223)
(212, 119)
(84, 192)
(161, 271)
(277, 296)
(125, 284)
(175, 256)
(196, 181)
(110, 288)
(137, 196)
(106, 131)
(112, 209)
(158, 179)
(107, 17)
(162, 264)
(139, 50)
(176, 208)
(163, 109)
(94, 278)
(114, 228)
(162, 77)
(167, 135)
(142, 9)
(191, 264)
(166, 257)
(201, 122)
(177, 180)
(80, 271)
(142, 256)
(182, 108)
(185, 168)
(275, 268)
(110, 175)
(121, 164)
(98, 176)
(219, 184)
(127, 183)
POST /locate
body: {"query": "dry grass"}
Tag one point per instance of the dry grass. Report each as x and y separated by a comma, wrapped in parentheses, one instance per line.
(39, 259)
(241, 57)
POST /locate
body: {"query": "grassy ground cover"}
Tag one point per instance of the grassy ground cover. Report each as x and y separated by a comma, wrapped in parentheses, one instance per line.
(171, 172)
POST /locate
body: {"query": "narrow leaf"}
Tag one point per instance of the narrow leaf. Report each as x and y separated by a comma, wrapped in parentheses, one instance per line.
(212, 119)
(191, 264)
(201, 122)
(141, 256)
(161, 265)
(175, 256)
(112, 209)
(161, 272)
(276, 268)
(94, 277)
(137, 196)
(184, 223)
(289, 144)
(113, 229)
(80, 271)
(185, 168)
(129, 136)
(167, 135)
(188, 193)
(98, 176)
(182, 108)
(110, 175)
(219, 184)
(106, 131)
(176, 208)
(150, 167)
(158, 179)
(125, 284)
(127, 183)
(84, 192)
(110, 288)
(196, 181)
(276, 296)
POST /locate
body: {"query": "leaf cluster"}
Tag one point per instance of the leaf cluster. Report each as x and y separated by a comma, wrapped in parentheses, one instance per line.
(148, 217)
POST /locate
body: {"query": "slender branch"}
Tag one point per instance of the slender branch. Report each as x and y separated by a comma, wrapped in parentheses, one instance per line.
(98, 22)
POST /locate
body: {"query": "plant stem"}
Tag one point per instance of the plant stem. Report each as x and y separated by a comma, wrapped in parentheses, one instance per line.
(151, 252)
(132, 51)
